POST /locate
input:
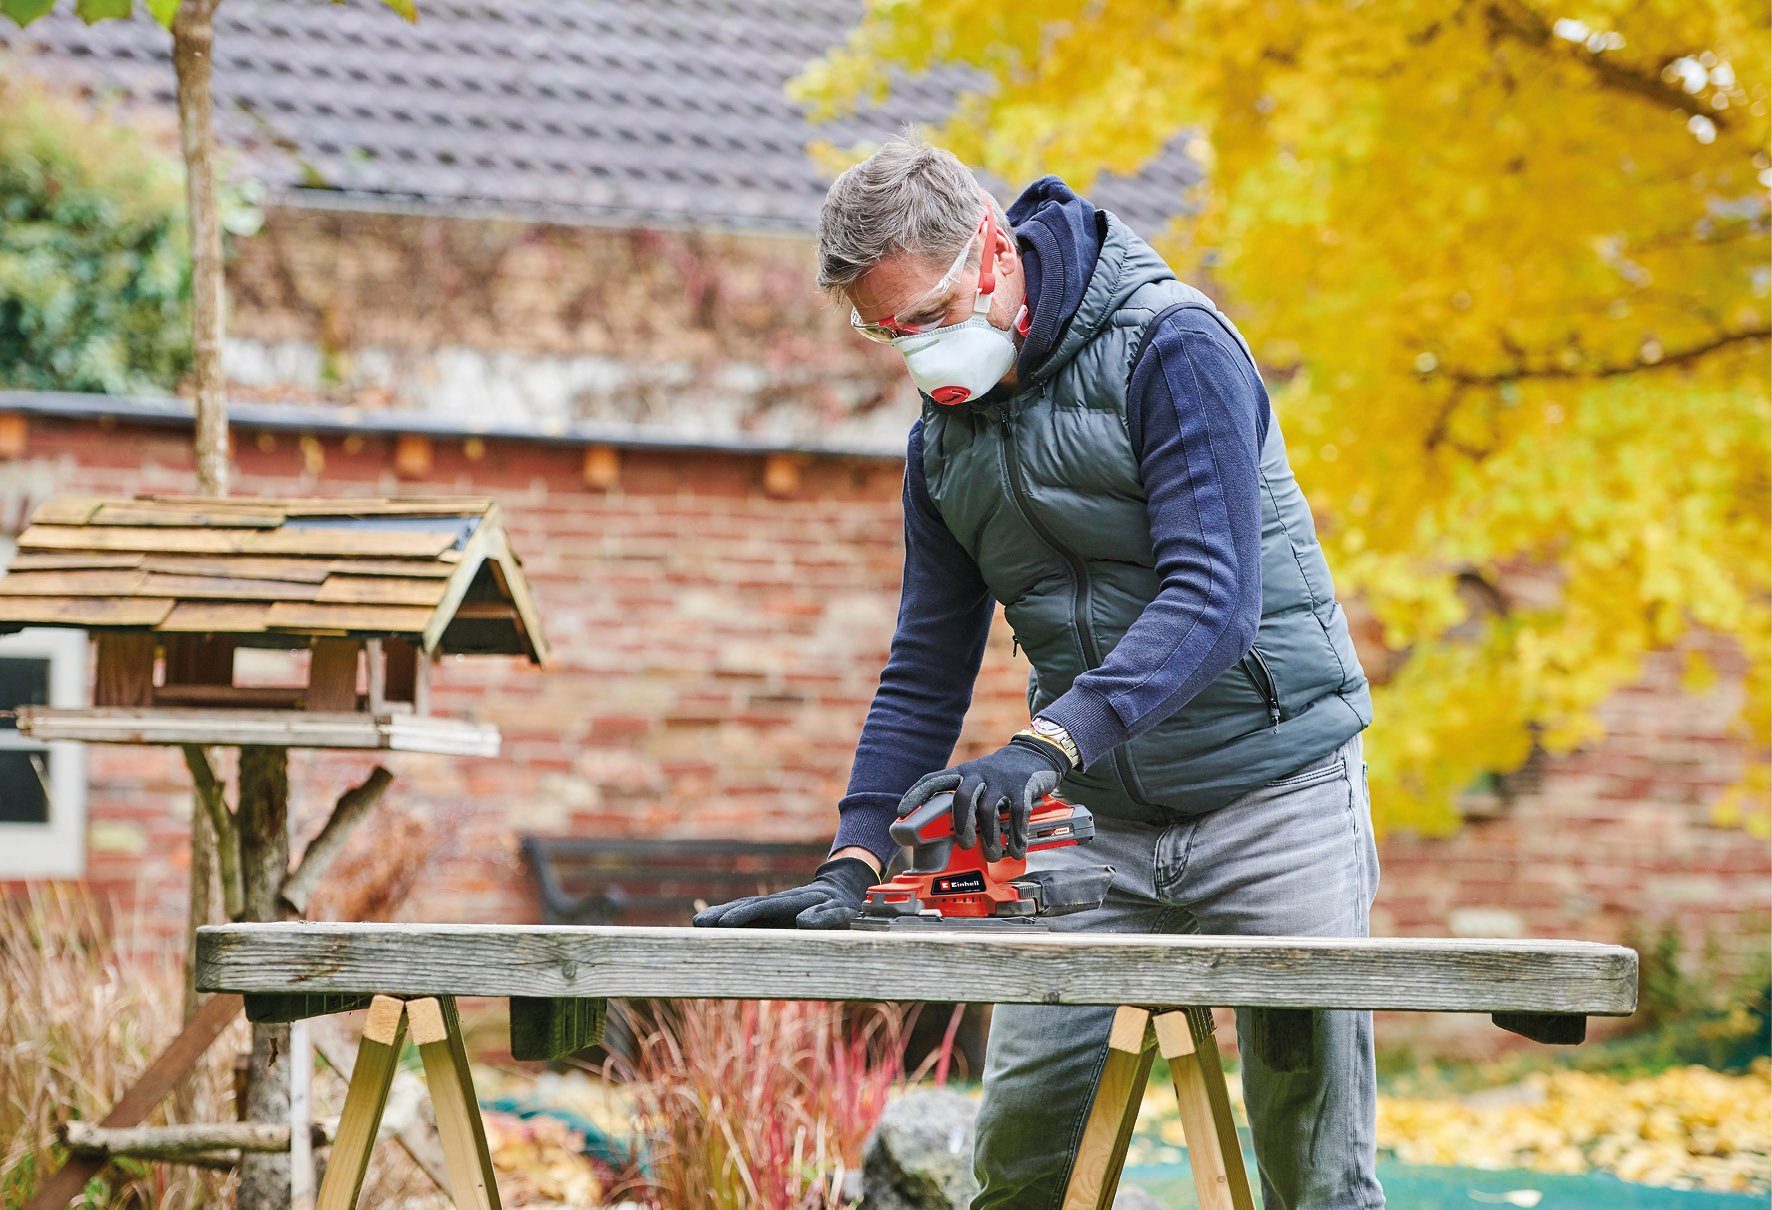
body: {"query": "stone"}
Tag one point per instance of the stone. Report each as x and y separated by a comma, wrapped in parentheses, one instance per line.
(919, 1155)
(1131, 1197)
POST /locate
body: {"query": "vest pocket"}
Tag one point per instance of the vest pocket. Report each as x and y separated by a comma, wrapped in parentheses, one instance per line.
(1255, 667)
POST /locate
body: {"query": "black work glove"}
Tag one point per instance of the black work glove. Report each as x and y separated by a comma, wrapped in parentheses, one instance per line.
(830, 901)
(1020, 773)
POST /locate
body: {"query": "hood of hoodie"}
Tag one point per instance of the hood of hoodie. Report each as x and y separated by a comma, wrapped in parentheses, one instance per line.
(1072, 287)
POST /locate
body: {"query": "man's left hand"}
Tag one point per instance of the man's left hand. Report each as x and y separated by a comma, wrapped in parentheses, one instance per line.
(1014, 777)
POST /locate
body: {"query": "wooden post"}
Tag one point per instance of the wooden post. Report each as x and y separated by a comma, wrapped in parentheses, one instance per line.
(263, 820)
(1095, 1173)
(301, 1115)
(125, 672)
(1186, 1040)
(332, 675)
(437, 1030)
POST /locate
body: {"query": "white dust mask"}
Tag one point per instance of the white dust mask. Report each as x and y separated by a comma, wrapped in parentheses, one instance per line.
(960, 361)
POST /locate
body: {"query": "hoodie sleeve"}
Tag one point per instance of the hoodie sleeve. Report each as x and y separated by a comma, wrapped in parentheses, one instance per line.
(944, 619)
(1198, 415)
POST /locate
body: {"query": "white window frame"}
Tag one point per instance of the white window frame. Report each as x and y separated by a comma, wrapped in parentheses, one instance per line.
(56, 849)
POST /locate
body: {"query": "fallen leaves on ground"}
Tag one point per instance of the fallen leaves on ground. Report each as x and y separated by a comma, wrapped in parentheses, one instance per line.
(539, 1163)
(1686, 1127)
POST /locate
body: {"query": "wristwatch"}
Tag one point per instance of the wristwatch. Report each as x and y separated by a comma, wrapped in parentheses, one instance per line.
(1050, 731)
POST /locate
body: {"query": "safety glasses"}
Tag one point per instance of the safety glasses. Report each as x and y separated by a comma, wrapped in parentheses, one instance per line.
(886, 330)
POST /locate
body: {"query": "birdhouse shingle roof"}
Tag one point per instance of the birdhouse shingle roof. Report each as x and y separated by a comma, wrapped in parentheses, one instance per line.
(438, 571)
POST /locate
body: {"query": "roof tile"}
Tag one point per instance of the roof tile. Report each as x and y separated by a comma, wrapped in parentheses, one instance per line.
(614, 111)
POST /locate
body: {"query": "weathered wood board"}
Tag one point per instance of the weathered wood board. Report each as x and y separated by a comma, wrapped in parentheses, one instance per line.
(1423, 974)
(270, 728)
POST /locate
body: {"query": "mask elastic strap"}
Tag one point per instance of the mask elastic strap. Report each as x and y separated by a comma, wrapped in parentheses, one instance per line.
(987, 282)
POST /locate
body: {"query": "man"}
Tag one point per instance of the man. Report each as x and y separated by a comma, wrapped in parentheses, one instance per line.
(1096, 452)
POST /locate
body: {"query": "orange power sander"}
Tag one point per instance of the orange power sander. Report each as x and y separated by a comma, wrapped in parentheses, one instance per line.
(946, 885)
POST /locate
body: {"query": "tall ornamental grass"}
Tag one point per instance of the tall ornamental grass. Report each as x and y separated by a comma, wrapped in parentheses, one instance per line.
(757, 1105)
(85, 1005)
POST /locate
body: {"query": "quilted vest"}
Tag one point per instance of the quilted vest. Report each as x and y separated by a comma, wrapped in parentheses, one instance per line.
(1043, 490)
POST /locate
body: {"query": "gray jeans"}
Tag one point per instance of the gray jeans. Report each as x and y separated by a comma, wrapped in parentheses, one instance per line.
(1294, 857)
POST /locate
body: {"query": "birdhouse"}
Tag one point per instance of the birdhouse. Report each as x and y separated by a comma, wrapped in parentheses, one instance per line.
(174, 591)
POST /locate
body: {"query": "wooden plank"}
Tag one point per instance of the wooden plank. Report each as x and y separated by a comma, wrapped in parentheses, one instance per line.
(366, 1097)
(436, 1028)
(84, 582)
(332, 674)
(66, 510)
(1552, 1029)
(186, 516)
(335, 506)
(390, 567)
(199, 1033)
(1186, 1040)
(125, 672)
(257, 567)
(381, 590)
(376, 619)
(84, 611)
(496, 611)
(1101, 1153)
(1425, 974)
(319, 540)
(224, 588)
(265, 728)
(552, 1029)
(215, 617)
(262, 697)
(507, 569)
(73, 561)
(470, 559)
(296, 1006)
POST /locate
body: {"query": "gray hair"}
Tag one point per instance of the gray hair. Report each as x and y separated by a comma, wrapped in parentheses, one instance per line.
(909, 196)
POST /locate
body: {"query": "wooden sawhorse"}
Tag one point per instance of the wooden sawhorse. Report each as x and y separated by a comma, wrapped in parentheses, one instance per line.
(436, 1030)
(558, 977)
(1184, 1037)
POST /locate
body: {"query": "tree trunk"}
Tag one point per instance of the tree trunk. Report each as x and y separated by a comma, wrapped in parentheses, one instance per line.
(192, 40)
(193, 35)
(263, 816)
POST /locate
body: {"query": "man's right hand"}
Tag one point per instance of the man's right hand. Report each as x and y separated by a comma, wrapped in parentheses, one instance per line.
(830, 901)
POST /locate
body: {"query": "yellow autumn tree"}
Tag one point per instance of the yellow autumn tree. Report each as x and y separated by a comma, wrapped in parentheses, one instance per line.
(1509, 264)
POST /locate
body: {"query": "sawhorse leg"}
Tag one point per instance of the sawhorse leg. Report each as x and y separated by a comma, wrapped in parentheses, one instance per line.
(1185, 1039)
(1184, 1036)
(436, 1028)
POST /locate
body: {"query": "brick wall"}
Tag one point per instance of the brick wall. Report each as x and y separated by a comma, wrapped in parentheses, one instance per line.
(715, 650)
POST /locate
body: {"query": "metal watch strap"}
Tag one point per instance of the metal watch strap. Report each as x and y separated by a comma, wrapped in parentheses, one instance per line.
(1068, 750)
(1054, 731)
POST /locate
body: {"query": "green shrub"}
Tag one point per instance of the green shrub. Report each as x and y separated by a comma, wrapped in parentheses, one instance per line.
(94, 277)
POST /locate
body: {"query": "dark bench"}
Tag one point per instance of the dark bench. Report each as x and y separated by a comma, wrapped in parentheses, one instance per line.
(587, 881)
(583, 881)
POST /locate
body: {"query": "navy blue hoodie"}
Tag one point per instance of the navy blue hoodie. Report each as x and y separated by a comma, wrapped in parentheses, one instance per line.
(1189, 423)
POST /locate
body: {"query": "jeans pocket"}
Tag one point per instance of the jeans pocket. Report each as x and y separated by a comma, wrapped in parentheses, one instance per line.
(1325, 769)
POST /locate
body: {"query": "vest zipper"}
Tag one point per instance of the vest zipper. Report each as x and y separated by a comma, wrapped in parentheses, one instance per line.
(1080, 599)
(1264, 685)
